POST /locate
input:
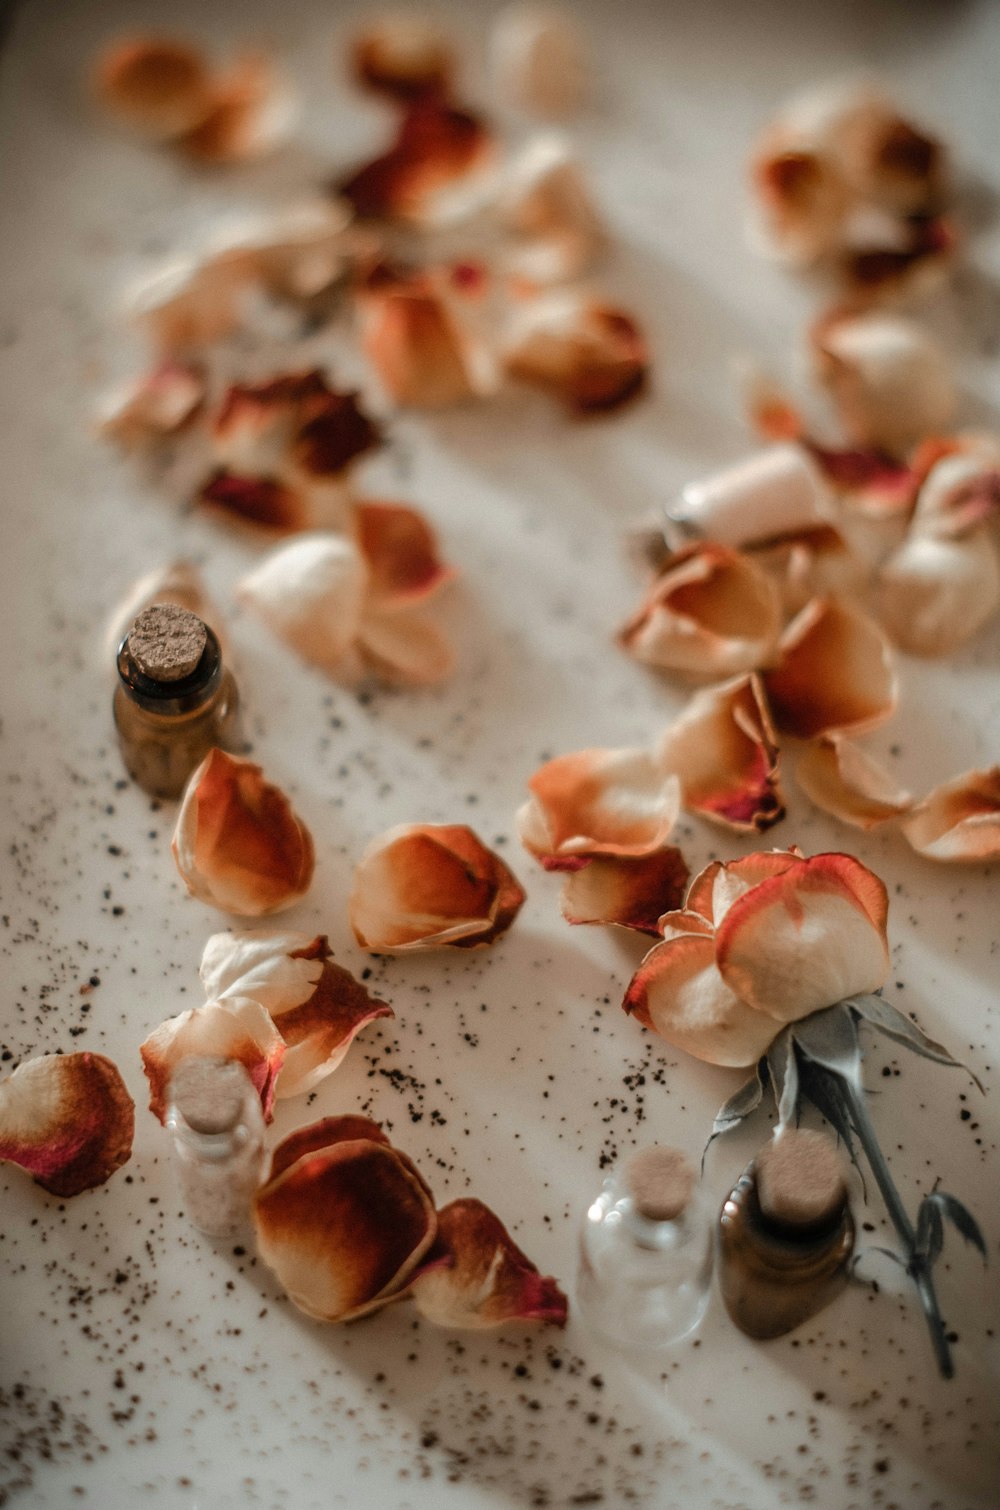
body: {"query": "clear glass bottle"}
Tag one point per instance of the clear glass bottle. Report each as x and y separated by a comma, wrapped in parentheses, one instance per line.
(174, 701)
(646, 1248)
(215, 1115)
(786, 1235)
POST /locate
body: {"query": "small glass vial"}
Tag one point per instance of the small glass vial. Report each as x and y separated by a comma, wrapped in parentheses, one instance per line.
(174, 701)
(215, 1116)
(786, 1235)
(646, 1253)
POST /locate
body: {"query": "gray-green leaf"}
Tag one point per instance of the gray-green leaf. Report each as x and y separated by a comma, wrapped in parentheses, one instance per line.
(783, 1068)
(882, 1015)
(830, 1038)
(960, 1217)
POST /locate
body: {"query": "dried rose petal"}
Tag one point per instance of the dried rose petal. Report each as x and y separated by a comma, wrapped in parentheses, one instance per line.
(803, 196)
(590, 355)
(934, 594)
(811, 563)
(890, 160)
(713, 892)
(843, 780)
(476, 1276)
(539, 60)
(403, 56)
(160, 404)
(238, 844)
(304, 251)
(189, 305)
(722, 749)
(344, 1219)
(914, 263)
(961, 488)
(834, 673)
(403, 648)
(598, 802)
(68, 1120)
(777, 491)
(317, 1006)
(428, 886)
(238, 1028)
(249, 111)
(869, 482)
(632, 893)
(296, 419)
(711, 612)
(545, 205)
(959, 821)
(155, 85)
(401, 552)
(426, 355)
(181, 583)
(890, 382)
(436, 145)
(266, 504)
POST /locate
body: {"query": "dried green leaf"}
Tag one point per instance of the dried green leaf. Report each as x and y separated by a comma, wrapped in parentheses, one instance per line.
(960, 1217)
(830, 1038)
(880, 1014)
(740, 1105)
(783, 1068)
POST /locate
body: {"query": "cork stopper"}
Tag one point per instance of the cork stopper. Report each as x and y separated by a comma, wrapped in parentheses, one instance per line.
(800, 1182)
(166, 642)
(209, 1092)
(660, 1182)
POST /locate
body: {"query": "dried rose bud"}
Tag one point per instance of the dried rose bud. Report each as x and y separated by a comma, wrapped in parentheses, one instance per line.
(476, 1277)
(68, 1120)
(238, 1028)
(238, 844)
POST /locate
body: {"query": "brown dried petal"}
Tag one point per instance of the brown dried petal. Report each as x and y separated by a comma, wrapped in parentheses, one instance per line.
(834, 673)
(238, 844)
(843, 780)
(156, 85)
(436, 145)
(296, 419)
(723, 750)
(476, 1276)
(401, 552)
(632, 893)
(591, 356)
(67, 1119)
(959, 821)
(598, 802)
(237, 1028)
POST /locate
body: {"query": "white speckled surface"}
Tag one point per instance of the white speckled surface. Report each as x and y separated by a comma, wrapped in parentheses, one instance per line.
(142, 1365)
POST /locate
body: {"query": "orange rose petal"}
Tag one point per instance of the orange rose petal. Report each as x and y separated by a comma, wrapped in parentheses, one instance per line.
(405, 57)
(959, 821)
(401, 552)
(591, 356)
(712, 612)
(936, 593)
(843, 780)
(160, 404)
(249, 111)
(598, 802)
(236, 1028)
(68, 1120)
(324, 1134)
(806, 938)
(436, 145)
(428, 886)
(238, 844)
(677, 924)
(679, 994)
(722, 749)
(155, 85)
(317, 1006)
(425, 353)
(834, 673)
(476, 1277)
(632, 893)
(344, 1226)
(402, 647)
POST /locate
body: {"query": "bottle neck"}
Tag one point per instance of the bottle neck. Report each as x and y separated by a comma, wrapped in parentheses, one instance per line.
(188, 695)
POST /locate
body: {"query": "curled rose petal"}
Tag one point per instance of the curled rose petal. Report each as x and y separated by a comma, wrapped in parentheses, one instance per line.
(545, 205)
(539, 60)
(160, 404)
(181, 583)
(889, 381)
(959, 822)
(714, 891)
(306, 250)
(843, 780)
(436, 145)
(344, 1219)
(317, 1006)
(311, 593)
(426, 354)
(777, 491)
(961, 489)
(238, 844)
(632, 893)
(189, 305)
(590, 355)
(295, 420)
(155, 85)
(868, 482)
(403, 648)
(711, 612)
(68, 1120)
(401, 552)
(403, 56)
(722, 748)
(802, 195)
(678, 992)
(806, 938)
(834, 673)
(811, 563)
(934, 594)
(429, 886)
(598, 802)
(249, 111)
(236, 1028)
(476, 1276)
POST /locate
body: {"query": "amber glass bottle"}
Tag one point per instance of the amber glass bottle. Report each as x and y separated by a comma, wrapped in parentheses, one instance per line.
(174, 701)
(786, 1235)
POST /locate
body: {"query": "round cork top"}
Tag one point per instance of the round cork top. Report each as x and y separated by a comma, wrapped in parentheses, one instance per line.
(166, 642)
(209, 1092)
(660, 1182)
(800, 1180)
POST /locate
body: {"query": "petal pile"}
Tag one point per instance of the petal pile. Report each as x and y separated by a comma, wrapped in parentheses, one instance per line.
(431, 886)
(68, 1120)
(763, 941)
(237, 1028)
(238, 844)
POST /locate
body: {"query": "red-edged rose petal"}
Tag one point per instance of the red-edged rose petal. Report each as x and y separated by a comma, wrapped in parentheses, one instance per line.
(834, 673)
(723, 750)
(632, 893)
(598, 802)
(959, 821)
(401, 552)
(476, 1277)
(592, 356)
(237, 1028)
(843, 780)
(678, 992)
(68, 1120)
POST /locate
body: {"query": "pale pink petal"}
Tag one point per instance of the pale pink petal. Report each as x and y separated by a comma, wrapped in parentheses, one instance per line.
(249, 111)
(159, 404)
(632, 893)
(428, 886)
(598, 802)
(590, 355)
(344, 1219)
(67, 1119)
(889, 380)
(157, 86)
(317, 1006)
(845, 781)
(476, 1277)
(806, 938)
(959, 821)
(427, 354)
(404, 56)
(437, 144)
(238, 844)
(834, 673)
(712, 612)
(777, 491)
(540, 60)
(678, 992)
(235, 1028)
(723, 751)
(934, 594)
(400, 550)
(311, 593)
(403, 647)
